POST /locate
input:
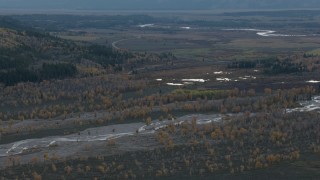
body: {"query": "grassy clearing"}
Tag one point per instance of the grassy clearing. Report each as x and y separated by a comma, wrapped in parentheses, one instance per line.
(80, 38)
(194, 53)
(202, 93)
(315, 52)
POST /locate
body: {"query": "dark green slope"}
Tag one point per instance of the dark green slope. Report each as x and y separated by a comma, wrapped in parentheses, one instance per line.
(29, 55)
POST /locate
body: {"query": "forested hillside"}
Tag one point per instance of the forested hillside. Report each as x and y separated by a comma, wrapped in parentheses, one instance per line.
(28, 55)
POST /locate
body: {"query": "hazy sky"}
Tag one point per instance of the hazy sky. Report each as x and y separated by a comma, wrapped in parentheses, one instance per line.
(157, 4)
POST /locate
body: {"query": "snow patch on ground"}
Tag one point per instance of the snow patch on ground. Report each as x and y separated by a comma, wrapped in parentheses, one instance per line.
(194, 80)
(145, 25)
(313, 81)
(174, 84)
(223, 79)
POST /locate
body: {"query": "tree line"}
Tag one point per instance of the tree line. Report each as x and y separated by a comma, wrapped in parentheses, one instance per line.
(47, 72)
(271, 66)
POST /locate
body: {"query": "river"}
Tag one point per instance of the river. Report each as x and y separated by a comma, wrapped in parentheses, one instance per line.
(267, 33)
(131, 136)
(98, 134)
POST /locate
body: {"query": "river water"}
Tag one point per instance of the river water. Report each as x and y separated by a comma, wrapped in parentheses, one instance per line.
(306, 106)
(98, 134)
(267, 33)
(136, 133)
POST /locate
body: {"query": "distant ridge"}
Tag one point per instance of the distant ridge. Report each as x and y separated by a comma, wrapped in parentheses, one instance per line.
(157, 4)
